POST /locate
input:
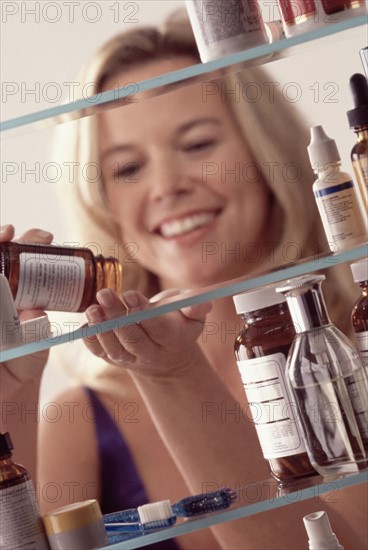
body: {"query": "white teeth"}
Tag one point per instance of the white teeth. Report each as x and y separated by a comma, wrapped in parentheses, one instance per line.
(184, 225)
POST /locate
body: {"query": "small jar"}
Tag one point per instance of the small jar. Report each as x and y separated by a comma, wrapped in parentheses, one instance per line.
(57, 278)
(261, 349)
(77, 526)
(359, 316)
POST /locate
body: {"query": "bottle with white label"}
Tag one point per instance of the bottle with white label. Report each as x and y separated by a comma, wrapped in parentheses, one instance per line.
(359, 316)
(20, 523)
(335, 193)
(328, 382)
(222, 27)
(261, 349)
(57, 278)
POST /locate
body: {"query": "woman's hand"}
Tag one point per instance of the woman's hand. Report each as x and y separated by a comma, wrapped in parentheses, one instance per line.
(19, 372)
(156, 347)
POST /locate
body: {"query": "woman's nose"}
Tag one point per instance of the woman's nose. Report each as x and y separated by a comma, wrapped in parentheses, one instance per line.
(169, 178)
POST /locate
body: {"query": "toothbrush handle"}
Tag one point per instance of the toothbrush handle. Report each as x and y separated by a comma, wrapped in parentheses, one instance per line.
(124, 516)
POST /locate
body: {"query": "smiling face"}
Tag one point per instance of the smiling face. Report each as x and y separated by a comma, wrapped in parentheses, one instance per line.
(180, 181)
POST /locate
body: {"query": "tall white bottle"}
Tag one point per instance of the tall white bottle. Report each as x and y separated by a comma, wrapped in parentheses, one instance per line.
(335, 193)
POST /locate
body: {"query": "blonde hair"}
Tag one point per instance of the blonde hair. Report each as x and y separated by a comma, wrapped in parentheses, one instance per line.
(274, 131)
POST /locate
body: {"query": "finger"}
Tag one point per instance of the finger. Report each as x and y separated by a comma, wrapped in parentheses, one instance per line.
(36, 235)
(92, 343)
(6, 232)
(107, 344)
(165, 294)
(134, 337)
(197, 312)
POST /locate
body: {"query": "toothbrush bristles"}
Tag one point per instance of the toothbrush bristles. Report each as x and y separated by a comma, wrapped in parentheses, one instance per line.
(156, 515)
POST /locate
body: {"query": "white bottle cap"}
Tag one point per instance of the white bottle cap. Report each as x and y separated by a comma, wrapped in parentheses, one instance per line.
(322, 150)
(320, 533)
(360, 270)
(11, 333)
(257, 299)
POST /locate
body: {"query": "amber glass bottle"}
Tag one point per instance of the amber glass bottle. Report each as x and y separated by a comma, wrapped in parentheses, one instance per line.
(358, 121)
(261, 349)
(20, 523)
(359, 316)
(57, 278)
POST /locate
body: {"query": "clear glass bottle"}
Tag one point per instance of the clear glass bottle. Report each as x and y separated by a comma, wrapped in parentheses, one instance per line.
(328, 382)
(359, 316)
(261, 349)
(358, 120)
(57, 278)
(20, 523)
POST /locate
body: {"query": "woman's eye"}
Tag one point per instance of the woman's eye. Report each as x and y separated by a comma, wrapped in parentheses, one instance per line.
(125, 171)
(199, 145)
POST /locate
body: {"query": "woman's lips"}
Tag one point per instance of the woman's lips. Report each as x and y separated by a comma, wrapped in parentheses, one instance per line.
(186, 224)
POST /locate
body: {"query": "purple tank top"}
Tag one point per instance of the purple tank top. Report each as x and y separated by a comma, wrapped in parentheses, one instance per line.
(121, 486)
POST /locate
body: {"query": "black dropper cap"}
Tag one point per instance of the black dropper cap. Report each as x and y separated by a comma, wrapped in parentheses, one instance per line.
(6, 444)
(359, 89)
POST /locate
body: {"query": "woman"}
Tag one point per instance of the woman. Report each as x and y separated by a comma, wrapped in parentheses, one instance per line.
(182, 173)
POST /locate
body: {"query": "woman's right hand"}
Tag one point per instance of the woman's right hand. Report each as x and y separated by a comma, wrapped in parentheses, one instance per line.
(17, 373)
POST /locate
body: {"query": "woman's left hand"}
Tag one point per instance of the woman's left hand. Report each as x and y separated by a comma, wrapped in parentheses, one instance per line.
(162, 346)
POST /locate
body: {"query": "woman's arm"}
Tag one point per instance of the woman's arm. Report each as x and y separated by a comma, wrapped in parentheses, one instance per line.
(20, 381)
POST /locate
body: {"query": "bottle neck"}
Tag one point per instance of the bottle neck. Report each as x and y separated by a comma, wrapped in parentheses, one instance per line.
(364, 286)
(361, 133)
(4, 459)
(330, 169)
(108, 273)
(264, 314)
(307, 308)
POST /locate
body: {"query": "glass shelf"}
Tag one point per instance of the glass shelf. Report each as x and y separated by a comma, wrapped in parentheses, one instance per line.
(163, 83)
(222, 290)
(253, 498)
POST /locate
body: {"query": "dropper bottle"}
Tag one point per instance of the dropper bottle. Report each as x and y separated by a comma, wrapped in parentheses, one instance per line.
(335, 193)
(328, 382)
(358, 120)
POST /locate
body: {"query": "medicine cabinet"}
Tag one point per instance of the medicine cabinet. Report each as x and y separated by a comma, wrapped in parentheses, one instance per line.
(265, 495)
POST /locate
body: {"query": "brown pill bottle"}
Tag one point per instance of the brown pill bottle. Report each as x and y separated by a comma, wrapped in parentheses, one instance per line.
(57, 278)
(20, 523)
(261, 349)
(359, 316)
